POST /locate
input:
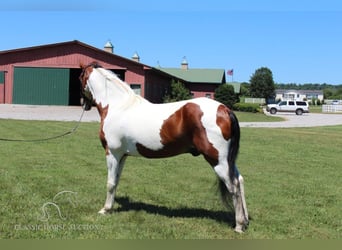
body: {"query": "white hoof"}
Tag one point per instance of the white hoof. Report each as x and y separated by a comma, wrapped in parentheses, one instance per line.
(103, 211)
(239, 229)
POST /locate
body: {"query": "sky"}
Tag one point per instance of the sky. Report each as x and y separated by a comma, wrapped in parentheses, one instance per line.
(300, 41)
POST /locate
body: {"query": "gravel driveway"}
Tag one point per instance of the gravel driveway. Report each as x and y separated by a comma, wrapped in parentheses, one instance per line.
(292, 120)
(47, 113)
(73, 113)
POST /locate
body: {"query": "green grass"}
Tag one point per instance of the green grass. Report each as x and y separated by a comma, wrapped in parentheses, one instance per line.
(315, 109)
(256, 117)
(292, 182)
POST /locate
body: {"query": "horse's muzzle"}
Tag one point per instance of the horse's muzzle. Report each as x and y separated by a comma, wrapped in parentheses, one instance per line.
(87, 106)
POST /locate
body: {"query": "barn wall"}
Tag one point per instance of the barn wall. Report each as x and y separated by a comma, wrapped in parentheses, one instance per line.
(2, 85)
(69, 56)
(5, 90)
(156, 86)
(201, 90)
(152, 83)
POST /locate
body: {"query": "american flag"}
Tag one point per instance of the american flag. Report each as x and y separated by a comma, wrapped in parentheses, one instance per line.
(230, 72)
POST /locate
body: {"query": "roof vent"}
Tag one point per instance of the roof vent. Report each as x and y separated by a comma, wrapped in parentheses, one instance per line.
(109, 47)
(184, 64)
(136, 57)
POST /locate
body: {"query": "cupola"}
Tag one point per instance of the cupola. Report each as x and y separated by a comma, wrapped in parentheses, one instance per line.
(184, 64)
(109, 47)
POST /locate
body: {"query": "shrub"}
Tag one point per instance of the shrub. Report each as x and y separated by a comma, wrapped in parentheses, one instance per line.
(247, 107)
(226, 95)
(178, 92)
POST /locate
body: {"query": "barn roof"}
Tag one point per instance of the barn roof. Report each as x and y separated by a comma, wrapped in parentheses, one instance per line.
(74, 42)
(208, 76)
(211, 76)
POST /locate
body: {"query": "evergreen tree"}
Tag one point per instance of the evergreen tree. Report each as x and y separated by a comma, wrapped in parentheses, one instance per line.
(178, 92)
(262, 84)
(225, 94)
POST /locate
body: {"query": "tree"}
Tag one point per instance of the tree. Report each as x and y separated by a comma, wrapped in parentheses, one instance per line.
(245, 89)
(178, 92)
(262, 84)
(327, 93)
(225, 94)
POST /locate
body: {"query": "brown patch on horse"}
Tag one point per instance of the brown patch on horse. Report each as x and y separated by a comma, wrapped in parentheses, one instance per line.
(223, 121)
(183, 132)
(103, 111)
(86, 71)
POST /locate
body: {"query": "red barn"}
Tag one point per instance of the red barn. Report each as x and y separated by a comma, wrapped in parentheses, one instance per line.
(48, 74)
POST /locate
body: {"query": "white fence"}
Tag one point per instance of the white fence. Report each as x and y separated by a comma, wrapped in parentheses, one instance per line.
(330, 101)
(255, 100)
(331, 108)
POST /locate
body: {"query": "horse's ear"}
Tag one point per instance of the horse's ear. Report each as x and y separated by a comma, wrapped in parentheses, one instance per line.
(95, 64)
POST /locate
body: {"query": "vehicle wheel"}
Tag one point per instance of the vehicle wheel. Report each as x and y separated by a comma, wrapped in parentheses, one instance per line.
(299, 112)
(273, 111)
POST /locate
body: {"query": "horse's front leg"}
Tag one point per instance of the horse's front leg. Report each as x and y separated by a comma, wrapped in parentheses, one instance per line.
(115, 165)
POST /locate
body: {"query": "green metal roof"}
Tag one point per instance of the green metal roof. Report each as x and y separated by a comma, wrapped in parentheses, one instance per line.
(236, 86)
(214, 76)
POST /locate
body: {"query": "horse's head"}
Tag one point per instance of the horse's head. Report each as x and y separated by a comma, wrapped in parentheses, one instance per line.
(86, 95)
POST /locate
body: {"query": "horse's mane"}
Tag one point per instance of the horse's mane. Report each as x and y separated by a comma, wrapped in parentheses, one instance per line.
(112, 77)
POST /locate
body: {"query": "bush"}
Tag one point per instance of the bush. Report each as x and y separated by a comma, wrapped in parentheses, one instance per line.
(247, 107)
(178, 92)
(226, 95)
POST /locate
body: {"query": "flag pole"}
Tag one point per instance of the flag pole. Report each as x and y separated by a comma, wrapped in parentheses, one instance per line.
(231, 73)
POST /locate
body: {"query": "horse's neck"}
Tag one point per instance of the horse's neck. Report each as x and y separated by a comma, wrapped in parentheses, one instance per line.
(106, 92)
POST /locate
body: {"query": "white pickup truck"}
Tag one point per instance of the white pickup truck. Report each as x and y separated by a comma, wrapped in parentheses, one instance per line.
(299, 107)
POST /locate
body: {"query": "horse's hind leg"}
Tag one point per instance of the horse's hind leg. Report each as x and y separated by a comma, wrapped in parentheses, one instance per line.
(241, 213)
(235, 189)
(115, 165)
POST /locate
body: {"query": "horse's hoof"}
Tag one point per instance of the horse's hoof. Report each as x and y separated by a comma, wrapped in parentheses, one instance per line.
(239, 229)
(103, 211)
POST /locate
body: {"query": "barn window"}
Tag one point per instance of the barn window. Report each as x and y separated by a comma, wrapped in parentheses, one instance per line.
(136, 88)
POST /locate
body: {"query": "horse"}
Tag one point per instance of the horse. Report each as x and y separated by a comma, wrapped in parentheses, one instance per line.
(133, 126)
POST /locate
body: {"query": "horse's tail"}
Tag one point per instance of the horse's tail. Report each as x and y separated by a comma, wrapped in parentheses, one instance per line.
(234, 145)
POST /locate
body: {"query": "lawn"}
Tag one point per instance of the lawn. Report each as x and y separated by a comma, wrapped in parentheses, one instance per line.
(53, 189)
(256, 117)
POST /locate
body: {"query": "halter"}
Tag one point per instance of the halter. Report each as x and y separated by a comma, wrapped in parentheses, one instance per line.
(86, 95)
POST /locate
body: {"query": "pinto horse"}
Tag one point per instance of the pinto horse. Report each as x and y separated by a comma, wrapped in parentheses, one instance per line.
(133, 126)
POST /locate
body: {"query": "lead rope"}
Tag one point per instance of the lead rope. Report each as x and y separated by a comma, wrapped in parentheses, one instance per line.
(73, 130)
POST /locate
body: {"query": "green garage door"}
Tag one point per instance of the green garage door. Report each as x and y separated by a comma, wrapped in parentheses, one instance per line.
(41, 86)
(2, 77)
